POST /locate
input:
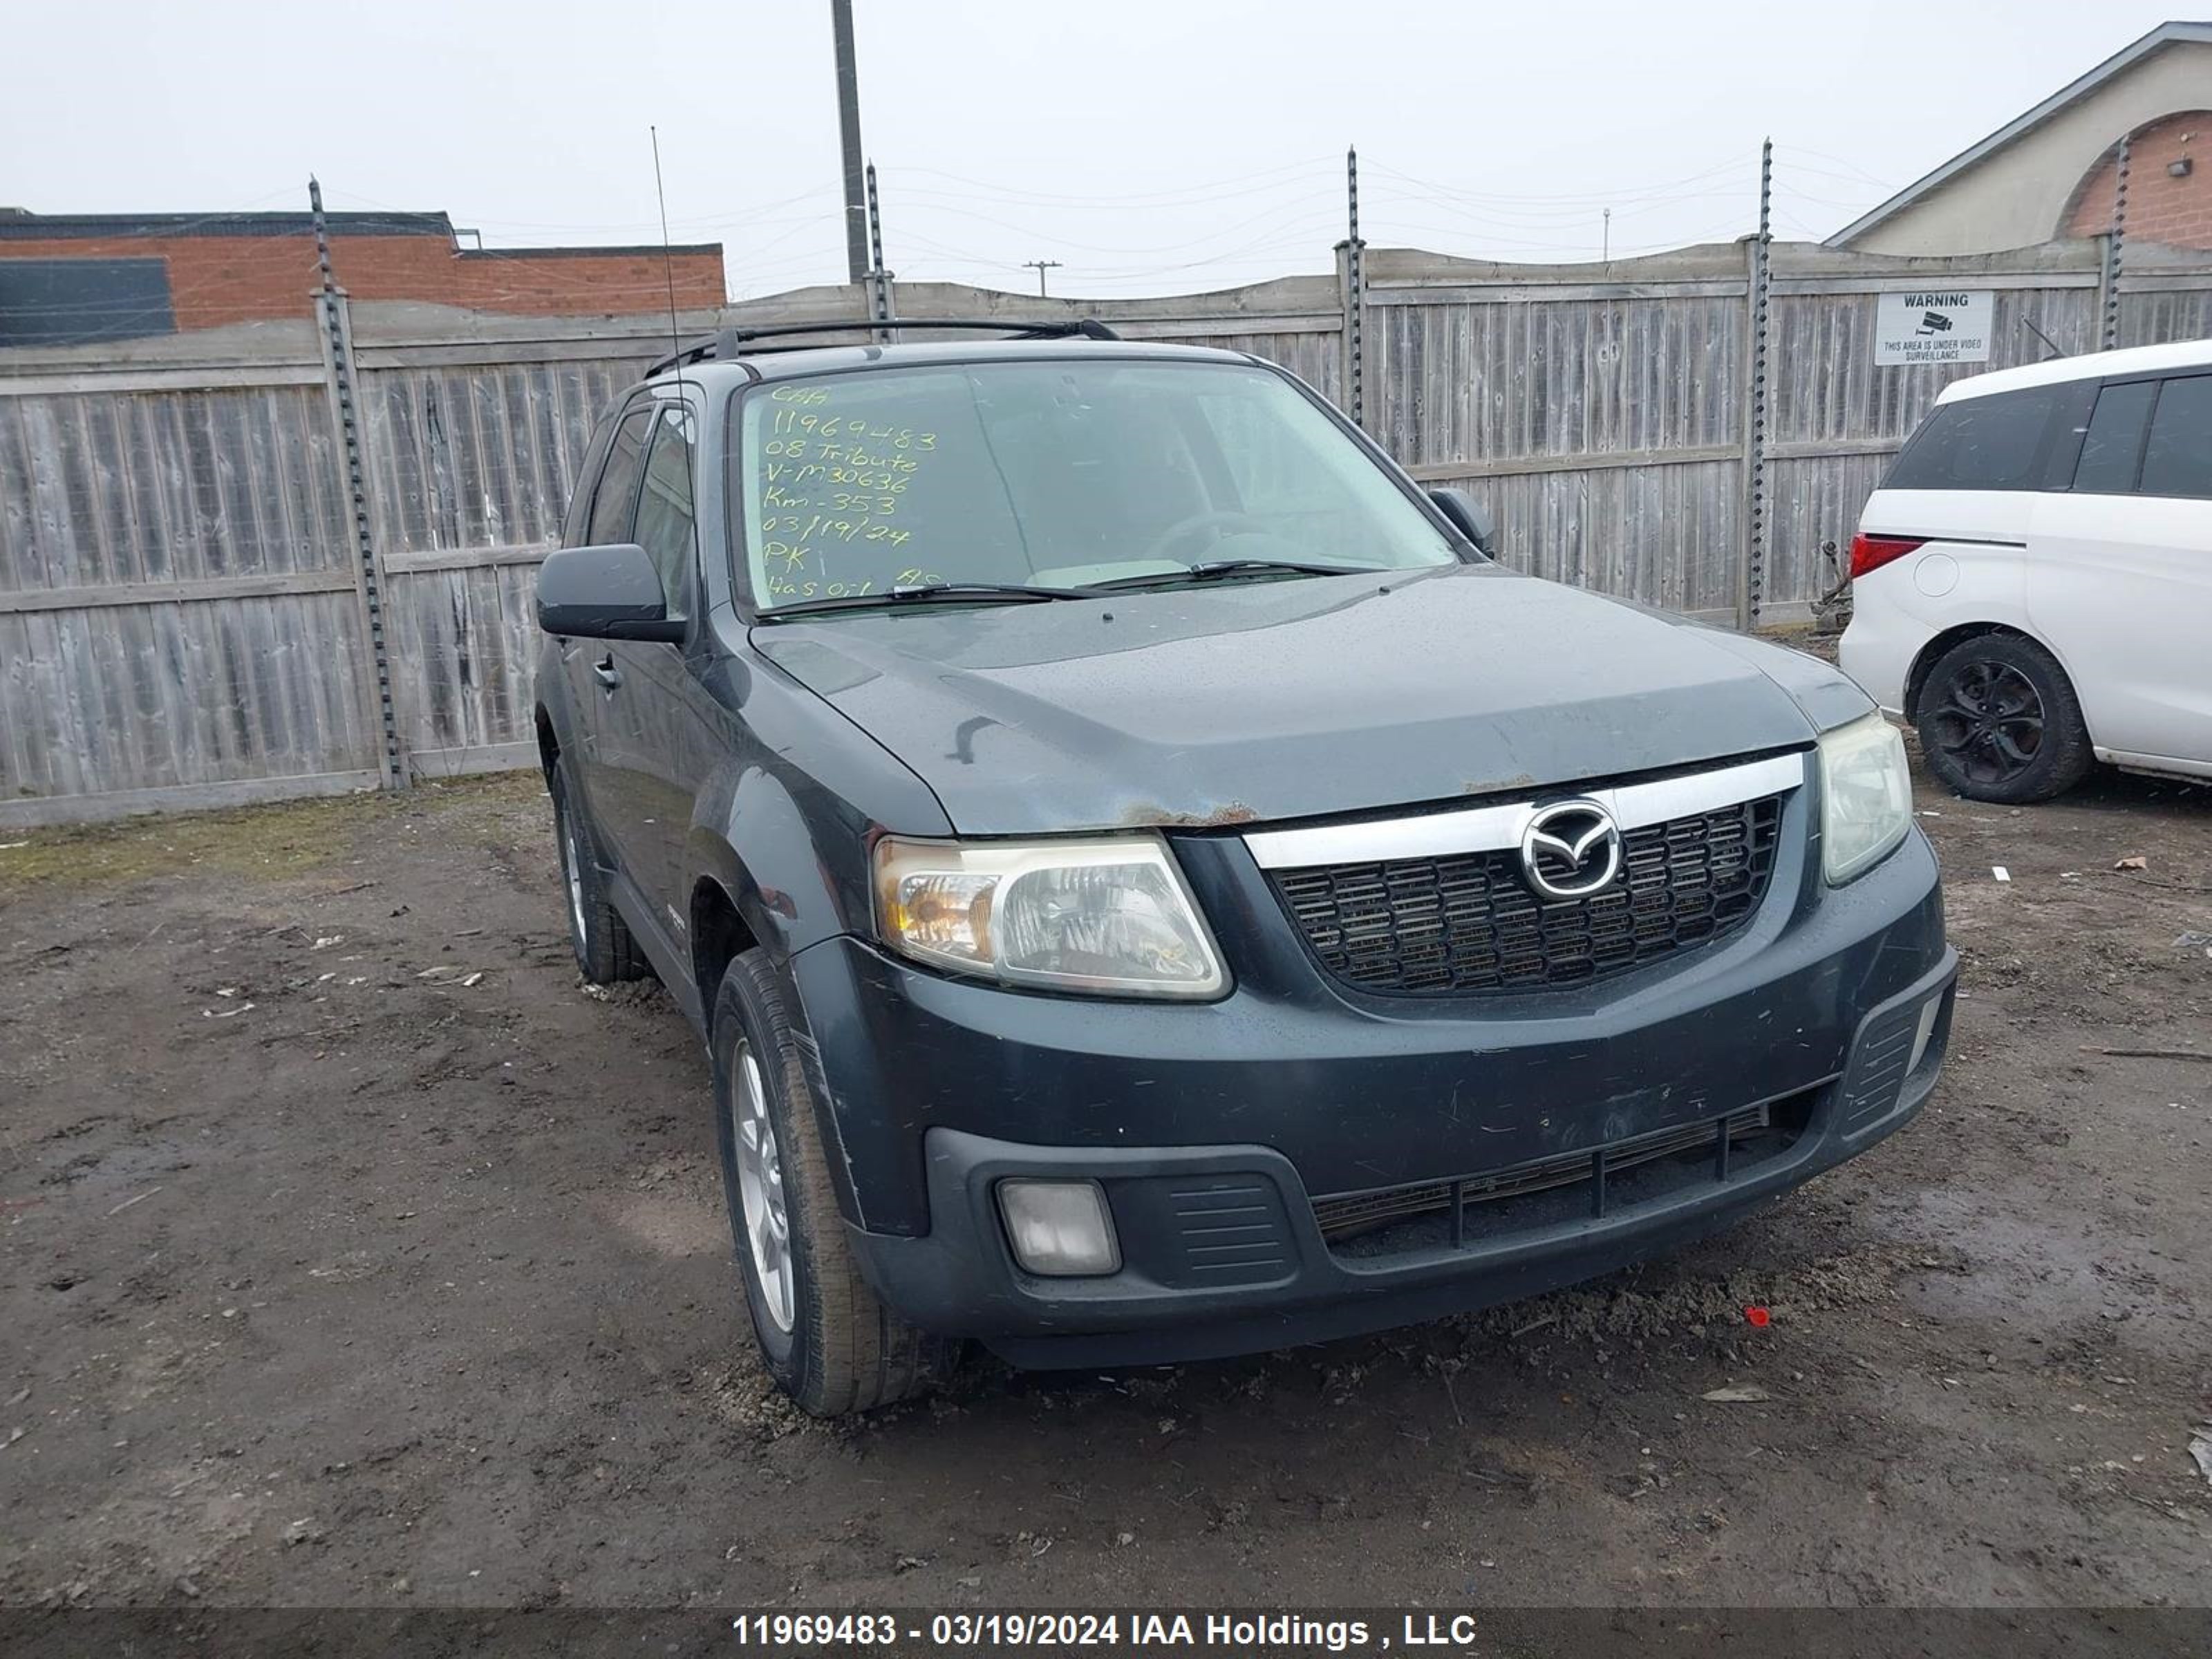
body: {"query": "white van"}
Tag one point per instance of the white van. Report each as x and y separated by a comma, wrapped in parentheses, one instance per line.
(2033, 582)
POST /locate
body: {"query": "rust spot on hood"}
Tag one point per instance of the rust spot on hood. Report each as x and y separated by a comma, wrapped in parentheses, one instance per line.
(1159, 817)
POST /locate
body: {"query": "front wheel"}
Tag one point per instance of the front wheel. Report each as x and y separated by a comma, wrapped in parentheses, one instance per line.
(1999, 721)
(826, 1339)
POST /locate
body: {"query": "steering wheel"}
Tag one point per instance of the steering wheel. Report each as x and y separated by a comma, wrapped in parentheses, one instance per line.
(1184, 528)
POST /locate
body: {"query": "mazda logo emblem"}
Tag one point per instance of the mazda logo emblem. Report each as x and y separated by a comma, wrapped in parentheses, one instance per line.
(1570, 850)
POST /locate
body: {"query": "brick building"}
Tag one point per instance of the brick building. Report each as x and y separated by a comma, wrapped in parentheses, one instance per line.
(2050, 173)
(66, 278)
(2169, 195)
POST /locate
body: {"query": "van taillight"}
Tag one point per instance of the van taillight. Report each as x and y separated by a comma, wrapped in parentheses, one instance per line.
(1872, 552)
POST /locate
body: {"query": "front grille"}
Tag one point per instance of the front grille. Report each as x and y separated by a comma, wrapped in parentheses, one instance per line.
(1468, 921)
(1341, 1218)
(1560, 1193)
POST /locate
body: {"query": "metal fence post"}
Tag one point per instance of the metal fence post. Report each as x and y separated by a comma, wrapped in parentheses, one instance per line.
(1354, 285)
(335, 334)
(1751, 583)
(879, 280)
(2114, 246)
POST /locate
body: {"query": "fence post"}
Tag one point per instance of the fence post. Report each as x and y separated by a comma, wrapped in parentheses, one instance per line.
(1351, 281)
(1751, 574)
(2115, 243)
(334, 333)
(879, 280)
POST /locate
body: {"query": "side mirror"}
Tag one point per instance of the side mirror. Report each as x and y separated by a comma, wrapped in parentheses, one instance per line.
(604, 593)
(1470, 517)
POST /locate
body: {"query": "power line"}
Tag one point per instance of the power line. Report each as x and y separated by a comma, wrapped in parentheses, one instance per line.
(1136, 199)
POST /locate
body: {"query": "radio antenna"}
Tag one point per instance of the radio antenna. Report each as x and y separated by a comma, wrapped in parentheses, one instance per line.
(676, 345)
(668, 253)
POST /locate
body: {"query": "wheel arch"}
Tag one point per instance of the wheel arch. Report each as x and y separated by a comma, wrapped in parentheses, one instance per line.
(732, 913)
(718, 931)
(549, 743)
(1923, 662)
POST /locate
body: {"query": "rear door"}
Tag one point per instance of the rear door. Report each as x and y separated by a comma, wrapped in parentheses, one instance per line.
(2120, 568)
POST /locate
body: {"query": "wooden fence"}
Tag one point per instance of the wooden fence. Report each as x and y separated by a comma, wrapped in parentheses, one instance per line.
(1610, 424)
(188, 614)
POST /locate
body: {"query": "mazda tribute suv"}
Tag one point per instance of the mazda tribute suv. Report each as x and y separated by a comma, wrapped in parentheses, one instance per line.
(1152, 887)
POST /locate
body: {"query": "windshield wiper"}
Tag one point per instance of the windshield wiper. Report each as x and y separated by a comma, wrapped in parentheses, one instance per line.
(927, 594)
(1212, 570)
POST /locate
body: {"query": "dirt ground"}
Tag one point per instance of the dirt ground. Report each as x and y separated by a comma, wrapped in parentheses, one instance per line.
(334, 1274)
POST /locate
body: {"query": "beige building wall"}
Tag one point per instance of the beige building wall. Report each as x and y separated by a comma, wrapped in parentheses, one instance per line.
(2019, 194)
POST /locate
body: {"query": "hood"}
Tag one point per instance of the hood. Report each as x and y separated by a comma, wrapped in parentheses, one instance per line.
(1259, 702)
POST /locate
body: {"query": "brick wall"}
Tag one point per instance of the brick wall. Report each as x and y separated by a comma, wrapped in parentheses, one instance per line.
(215, 280)
(2161, 208)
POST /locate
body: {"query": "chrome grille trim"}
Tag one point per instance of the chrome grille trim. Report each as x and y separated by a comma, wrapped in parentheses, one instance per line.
(1496, 828)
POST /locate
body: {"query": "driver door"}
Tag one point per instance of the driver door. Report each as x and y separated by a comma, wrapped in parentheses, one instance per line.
(594, 676)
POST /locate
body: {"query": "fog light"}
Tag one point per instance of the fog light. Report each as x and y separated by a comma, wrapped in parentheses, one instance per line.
(1061, 1229)
(1927, 1030)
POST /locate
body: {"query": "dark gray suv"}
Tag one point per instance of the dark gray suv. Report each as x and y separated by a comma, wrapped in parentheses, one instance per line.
(1152, 888)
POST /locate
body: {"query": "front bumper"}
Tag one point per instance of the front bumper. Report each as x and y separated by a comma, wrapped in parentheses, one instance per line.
(1286, 1284)
(1214, 1129)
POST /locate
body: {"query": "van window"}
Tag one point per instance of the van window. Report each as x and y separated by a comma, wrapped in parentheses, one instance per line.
(1995, 442)
(2114, 442)
(2178, 457)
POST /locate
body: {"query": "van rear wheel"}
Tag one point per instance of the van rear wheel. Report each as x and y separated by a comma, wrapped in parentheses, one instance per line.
(1999, 721)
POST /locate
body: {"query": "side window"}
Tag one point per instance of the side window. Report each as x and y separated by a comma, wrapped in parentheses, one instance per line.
(2177, 455)
(617, 497)
(1993, 442)
(664, 511)
(576, 522)
(2113, 444)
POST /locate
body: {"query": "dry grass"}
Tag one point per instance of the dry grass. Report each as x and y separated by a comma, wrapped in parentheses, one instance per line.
(291, 839)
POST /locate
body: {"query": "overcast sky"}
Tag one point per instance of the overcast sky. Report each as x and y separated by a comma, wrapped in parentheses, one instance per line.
(1150, 146)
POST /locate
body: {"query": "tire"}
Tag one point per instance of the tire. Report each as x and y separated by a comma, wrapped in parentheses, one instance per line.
(827, 1339)
(1998, 721)
(605, 952)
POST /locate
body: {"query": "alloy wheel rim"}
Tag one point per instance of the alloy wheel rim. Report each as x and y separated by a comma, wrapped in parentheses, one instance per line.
(1990, 722)
(760, 1189)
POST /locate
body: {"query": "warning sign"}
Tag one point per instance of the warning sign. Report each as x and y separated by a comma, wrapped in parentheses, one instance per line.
(1934, 325)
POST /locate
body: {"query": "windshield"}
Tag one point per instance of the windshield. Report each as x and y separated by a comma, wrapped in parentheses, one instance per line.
(1056, 473)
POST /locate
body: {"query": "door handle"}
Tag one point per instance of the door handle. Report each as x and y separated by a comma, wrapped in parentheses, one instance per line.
(610, 676)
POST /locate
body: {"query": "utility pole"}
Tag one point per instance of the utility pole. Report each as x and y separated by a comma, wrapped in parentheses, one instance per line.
(849, 131)
(1606, 247)
(1040, 266)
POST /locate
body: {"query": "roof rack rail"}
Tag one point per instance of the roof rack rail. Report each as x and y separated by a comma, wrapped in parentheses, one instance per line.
(724, 345)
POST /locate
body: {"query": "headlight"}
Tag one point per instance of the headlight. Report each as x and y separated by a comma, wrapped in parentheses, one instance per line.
(1109, 916)
(1866, 796)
